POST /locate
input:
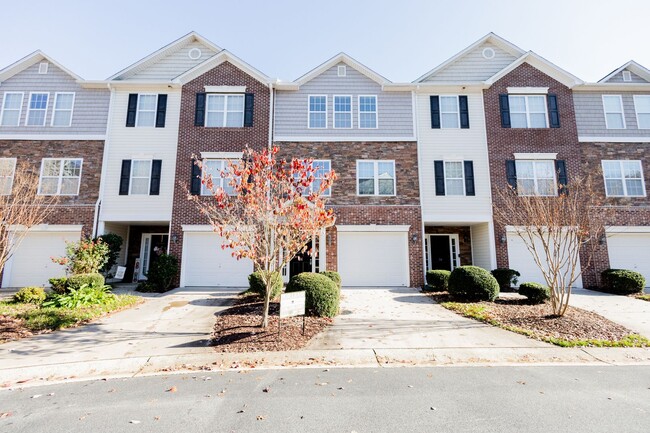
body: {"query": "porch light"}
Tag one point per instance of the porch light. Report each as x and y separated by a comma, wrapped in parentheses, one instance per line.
(414, 238)
(174, 239)
(503, 239)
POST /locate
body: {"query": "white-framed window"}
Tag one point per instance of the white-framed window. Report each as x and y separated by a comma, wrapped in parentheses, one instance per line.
(321, 168)
(528, 111)
(642, 108)
(63, 106)
(613, 107)
(146, 112)
(454, 178)
(342, 111)
(449, 112)
(367, 111)
(317, 111)
(536, 177)
(623, 178)
(215, 168)
(140, 181)
(12, 106)
(375, 177)
(7, 172)
(224, 111)
(627, 76)
(60, 176)
(37, 109)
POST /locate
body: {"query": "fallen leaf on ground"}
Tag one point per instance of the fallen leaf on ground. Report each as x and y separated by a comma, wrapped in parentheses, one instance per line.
(321, 383)
(134, 421)
(266, 390)
(261, 417)
(5, 414)
(172, 389)
(111, 390)
(156, 418)
(37, 395)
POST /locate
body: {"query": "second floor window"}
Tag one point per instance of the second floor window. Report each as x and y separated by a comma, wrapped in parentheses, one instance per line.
(318, 111)
(37, 109)
(224, 111)
(7, 170)
(536, 177)
(321, 168)
(342, 112)
(642, 107)
(140, 176)
(62, 115)
(12, 105)
(613, 107)
(367, 112)
(215, 168)
(623, 179)
(528, 111)
(146, 115)
(60, 176)
(376, 177)
(449, 113)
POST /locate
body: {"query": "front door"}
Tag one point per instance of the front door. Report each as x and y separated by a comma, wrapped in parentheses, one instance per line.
(153, 245)
(301, 262)
(443, 252)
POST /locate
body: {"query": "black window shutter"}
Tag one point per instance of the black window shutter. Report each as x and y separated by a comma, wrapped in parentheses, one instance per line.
(154, 186)
(553, 112)
(469, 178)
(199, 112)
(439, 170)
(562, 179)
(504, 106)
(161, 111)
(132, 108)
(435, 111)
(125, 177)
(195, 181)
(464, 111)
(249, 105)
(511, 173)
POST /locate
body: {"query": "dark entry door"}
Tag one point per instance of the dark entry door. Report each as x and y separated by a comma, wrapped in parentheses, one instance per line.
(301, 262)
(440, 256)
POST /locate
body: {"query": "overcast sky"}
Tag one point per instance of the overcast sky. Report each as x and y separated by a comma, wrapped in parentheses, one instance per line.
(400, 39)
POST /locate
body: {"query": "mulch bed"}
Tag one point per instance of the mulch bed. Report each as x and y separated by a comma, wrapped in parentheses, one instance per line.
(12, 329)
(575, 325)
(237, 329)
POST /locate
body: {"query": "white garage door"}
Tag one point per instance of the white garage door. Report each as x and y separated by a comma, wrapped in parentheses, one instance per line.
(373, 258)
(31, 265)
(521, 260)
(206, 264)
(630, 251)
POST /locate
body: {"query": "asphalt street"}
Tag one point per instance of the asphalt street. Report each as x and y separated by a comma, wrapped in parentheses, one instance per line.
(576, 399)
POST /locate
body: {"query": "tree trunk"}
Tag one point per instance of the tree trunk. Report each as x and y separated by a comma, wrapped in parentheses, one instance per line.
(267, 300)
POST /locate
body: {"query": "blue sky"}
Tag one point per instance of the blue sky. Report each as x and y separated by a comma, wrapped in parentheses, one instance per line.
(285, 38)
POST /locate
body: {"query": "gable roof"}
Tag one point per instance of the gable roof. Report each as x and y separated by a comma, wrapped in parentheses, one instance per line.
(632, 66)
(543, 65)
(490, 37)
(217, 59)
(163, 52)
(339, 58)
(30, 60)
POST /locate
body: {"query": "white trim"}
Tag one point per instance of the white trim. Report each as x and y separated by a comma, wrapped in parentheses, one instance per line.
(222, 155)
(541, 64)
(544, 156)
(54, 110)
(528, 90)
(20, 110)
(455, 220)
(636, 110)
(633, 66)
(613, 139)
(623, 178)
(221, 57)
(627, 229)
(334, 112)
(347, 138)
(376, 112)
(29, 101)
(47, 228)
(622, 112)
(13, 175)
(372, 228)
(60, 177)
(340, 58)
(197, 228)
(376, 177)
(309, 112)
(225, 89)
(30, 60)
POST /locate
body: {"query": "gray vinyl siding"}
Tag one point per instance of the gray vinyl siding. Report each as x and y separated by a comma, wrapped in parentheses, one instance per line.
(618, 78)
(473, 66)
(394, 109)
(590, 115)
(90, 109)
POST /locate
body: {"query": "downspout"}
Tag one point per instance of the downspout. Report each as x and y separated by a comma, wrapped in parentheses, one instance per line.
(102, 179)
(416, 126)
(271, 117)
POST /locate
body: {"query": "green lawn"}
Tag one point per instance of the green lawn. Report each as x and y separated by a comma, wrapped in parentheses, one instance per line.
(644, 297)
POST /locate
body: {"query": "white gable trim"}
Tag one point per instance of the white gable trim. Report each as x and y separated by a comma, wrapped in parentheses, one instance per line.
(543, 65)
(30, 60)
(222, 155)
(340, 58)
(632, 66)
(537, 156)
(216, 60)
(527, 90)
(372, 228)
(225, 89)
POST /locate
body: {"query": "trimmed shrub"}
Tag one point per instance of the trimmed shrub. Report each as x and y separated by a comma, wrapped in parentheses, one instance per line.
(334, 276)
(256, 284)
(322, 294)
(437, 280)
(59, 285)
(471, 283)
(162, 272)
(536, 293)
(30, 295)
(506, 278)
(622, 281)
(92, 279)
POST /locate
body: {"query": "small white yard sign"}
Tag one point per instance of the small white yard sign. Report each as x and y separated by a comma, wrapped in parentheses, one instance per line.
(292, 304)
(119, 275)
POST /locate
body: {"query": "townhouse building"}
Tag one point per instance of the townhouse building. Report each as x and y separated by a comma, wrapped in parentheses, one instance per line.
(53, 123)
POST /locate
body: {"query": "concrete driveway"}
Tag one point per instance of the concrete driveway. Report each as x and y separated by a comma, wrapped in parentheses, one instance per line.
(177, 322)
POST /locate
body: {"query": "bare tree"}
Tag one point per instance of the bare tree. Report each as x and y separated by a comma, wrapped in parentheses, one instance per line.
(21, 209)
(557, 231)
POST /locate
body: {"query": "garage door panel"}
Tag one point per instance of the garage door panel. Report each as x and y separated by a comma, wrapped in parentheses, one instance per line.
(373, 259)
(205, 263)
(630, 251)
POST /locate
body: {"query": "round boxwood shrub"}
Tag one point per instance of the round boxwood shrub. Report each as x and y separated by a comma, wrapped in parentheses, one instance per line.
(536, 293)
(92, 280)
(437, 280)
(59, 285)
(256, 284)
(622, 281)
(322, 294)
(334, 276)
(506, 278)
(30, 295)
(471, 283)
